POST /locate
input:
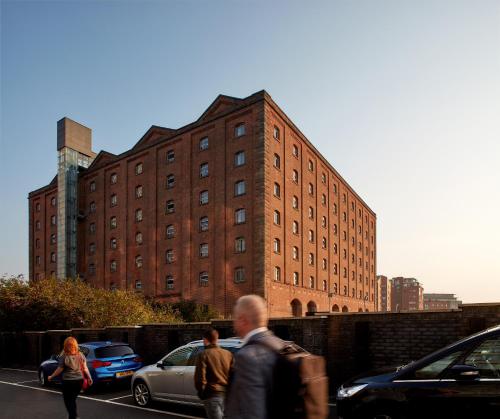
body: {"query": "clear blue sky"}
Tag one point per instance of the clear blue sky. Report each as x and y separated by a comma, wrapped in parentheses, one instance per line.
(402, 97)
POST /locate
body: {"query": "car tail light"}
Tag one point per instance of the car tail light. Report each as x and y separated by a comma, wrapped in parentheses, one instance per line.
(137, 359)
(99, 364)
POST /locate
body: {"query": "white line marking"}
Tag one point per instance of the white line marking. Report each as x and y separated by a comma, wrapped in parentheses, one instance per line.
(16, 369)
(163, 412)
(121, 397)
(332, 404)
(29, 381)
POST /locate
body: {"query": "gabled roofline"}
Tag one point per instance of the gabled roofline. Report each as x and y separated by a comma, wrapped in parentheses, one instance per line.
(50, 186)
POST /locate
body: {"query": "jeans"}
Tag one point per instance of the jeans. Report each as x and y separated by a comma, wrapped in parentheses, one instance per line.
(70, 391)
(214, 406)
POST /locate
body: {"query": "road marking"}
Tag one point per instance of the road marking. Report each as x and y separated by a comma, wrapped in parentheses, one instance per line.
(332, 404)
(121, 397)
(29, 381)
(147, 409)
(16, 369)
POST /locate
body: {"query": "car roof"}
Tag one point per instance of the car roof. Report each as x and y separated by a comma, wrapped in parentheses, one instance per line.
(221, 342)
(100, 344)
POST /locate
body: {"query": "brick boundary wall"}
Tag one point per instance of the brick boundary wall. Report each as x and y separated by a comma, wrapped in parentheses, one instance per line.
(352, 343)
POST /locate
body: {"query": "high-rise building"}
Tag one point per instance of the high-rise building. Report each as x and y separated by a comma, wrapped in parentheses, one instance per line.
(407, 294)
(441, 302)
(236, 202)
(383, 293)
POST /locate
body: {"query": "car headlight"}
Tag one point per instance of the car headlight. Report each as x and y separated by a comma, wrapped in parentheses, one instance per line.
(345, 392)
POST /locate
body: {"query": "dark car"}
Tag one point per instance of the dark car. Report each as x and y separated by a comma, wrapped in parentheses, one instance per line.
(107, 362)
(461, 380)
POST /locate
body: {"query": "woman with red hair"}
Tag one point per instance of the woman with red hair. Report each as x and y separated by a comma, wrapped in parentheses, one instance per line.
(73, 366)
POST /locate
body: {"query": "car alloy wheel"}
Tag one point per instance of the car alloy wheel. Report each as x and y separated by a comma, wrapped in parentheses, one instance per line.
(41, 378)
(141, 394)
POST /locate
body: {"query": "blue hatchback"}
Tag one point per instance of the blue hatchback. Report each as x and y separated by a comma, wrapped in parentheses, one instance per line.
(107, 362)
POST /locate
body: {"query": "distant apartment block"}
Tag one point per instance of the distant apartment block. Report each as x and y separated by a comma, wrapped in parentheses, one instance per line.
(239, 201)
(441, 302)
(383, 293)
(407, 294)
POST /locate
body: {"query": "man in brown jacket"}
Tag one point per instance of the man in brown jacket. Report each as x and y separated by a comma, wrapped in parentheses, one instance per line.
(211, 375)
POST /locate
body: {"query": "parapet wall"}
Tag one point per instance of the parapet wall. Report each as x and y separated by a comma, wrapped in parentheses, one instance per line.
(351, 342)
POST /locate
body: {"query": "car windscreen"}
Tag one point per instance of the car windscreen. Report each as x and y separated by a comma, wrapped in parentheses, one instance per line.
(113, 351)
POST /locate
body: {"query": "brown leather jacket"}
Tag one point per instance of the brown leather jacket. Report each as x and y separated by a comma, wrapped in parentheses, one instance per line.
(213, 367)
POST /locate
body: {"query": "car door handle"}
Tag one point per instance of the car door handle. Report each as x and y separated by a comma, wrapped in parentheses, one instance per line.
(179, 373)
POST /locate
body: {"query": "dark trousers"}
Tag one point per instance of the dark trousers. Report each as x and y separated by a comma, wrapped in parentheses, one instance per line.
(70, 391)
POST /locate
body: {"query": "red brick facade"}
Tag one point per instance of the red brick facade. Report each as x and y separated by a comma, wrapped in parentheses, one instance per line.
(331, 268)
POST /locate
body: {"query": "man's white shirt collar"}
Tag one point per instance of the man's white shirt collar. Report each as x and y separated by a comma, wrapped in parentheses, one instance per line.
(252, 333)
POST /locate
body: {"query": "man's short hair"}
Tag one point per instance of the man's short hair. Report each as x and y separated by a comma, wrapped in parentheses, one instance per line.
(253, 307)
(211, 335)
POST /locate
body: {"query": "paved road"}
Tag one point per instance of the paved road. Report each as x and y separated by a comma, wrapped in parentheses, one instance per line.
(21, 396)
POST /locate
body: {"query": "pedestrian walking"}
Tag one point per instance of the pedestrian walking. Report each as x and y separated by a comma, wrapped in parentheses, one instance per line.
(73, 366)
(211, 376)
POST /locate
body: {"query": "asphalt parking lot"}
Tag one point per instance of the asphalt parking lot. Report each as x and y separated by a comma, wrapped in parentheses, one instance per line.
(21, 396)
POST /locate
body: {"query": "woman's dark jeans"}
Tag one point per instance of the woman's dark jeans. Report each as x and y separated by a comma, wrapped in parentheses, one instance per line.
(70, 391)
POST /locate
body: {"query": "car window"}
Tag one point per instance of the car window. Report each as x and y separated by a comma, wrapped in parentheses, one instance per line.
(179, 357)
(113, 351)
(84, 350)
(486, 358)
(194, 354)
(435, 368)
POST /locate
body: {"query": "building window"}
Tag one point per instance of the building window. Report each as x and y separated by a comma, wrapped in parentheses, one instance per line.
(138, 284)
(114, 200)
(204, 224)
(91, 248)
(138, 168)
(295, 151)
(295, 279)
(335, 209)
(239, 188)
(324, 264)
(344, 198)
(38, 260)
(295, 227)
(344, 235)
(335, 249)
(113, 178)
(240, 216)
(335, 229)
(138, 215)
(310, 165)
(138, 238)
(277, 217)
(203, 279)
(169, 256)
(92, 227)
(203, 250)
(38, 207)
(204, 143)
(277, 274)
(239, 245)
(53, 220)
(311, 236)
(37, 243)
(295, 176)
(352, 222)
(277, 190)
(323, 199)
(323, 242)
(203, 170)
(352, 258)
(310, 189)
(277, 246)
(113, 266)
(323, 221)
(276, 133)
(323, 177)
(138, 191)
(345, 273)
(53, 257)
(170, 282)
(335, 288)
(170, 231)
(170, 156)
(239, 158)
(311, 259)
(335, 269)
(311, 282)
(112, 222)
(53, 201)
(311, 213)
(239, 274)
(92, 207)
(239, 130)
(170, 181)
(92, 186)
(138, 261)
(295, 202)
(91, 269)
(344, 253)
(277, 161)
(203, 197)
(170, 208)
(295, 253)
(352, 205)
(113, 243)
(324, 285)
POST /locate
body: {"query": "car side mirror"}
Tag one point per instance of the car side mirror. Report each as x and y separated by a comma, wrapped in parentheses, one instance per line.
(464, 372)
(159, 365)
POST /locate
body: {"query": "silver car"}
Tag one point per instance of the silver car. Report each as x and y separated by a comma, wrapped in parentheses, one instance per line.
(172, 378)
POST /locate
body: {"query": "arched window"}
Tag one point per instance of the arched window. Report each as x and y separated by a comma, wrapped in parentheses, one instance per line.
(345, 309)
(296, 308)
(335, 308)
(311, 307)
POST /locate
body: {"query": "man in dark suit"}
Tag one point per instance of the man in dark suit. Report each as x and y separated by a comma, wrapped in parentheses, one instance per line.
(250, 388)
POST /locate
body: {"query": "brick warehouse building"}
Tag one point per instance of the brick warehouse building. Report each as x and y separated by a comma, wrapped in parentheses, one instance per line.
(237, 202)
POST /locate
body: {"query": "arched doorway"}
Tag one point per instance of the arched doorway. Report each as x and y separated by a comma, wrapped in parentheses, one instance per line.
(335, 308)
(360, 310)
(345, 309)
(311, 307)
(366, 310)
(296, 308)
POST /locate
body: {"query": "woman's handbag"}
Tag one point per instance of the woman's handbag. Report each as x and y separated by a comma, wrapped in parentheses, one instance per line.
(85, 384)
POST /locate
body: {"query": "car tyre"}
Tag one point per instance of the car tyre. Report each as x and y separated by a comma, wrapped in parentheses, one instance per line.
(142, 394)
(42, 378)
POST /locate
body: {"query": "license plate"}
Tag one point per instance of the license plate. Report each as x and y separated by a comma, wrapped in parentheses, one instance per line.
(124, 374)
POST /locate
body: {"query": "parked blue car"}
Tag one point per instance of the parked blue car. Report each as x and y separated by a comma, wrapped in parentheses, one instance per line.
(107, 362)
